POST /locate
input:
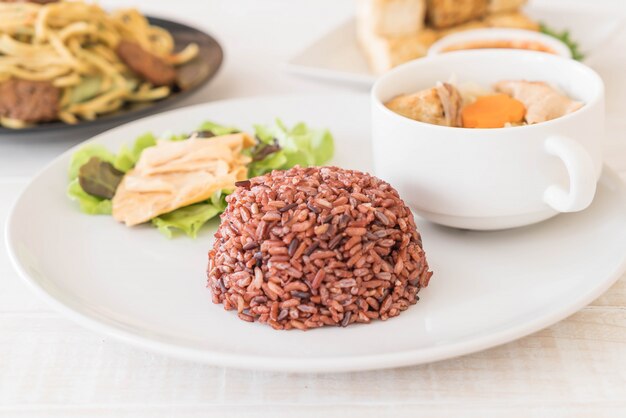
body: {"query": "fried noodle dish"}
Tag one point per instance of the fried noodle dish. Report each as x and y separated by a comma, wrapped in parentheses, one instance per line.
(72, 60)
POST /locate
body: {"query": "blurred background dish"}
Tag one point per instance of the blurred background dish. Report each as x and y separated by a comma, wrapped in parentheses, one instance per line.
(190, 77)
(356, 52)
(393, 32)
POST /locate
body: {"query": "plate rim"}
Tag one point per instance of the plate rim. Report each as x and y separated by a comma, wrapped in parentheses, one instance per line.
(293, 66)
(277, 364)
(122, 118)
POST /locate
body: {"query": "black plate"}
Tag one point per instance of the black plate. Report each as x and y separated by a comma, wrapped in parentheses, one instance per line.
(191, 76)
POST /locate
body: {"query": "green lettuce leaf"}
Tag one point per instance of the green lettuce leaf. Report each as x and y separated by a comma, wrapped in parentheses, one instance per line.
(123, 161)
(89, 204)
(323, 146)
(88, 88)
(212, 127)
(271, 162)
(299, 145)
(84, 154)
(177, 137)
(99, 178)
(217, 129)
(191, 218)
(126, 158)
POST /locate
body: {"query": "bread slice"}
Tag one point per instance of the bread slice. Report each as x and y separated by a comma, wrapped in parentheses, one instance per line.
(473, 24)
(499, 6)
(391, 17)
(515, 20)
(385, 52)
(447, 13)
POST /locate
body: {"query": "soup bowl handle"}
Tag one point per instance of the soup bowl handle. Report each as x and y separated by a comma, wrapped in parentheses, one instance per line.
(582, 178)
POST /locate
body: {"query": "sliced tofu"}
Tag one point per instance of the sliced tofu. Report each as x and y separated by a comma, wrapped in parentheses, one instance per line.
(447, 13)
(391, 17)
(174, 174)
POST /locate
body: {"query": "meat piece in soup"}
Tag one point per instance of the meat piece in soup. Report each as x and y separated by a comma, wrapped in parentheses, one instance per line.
(440, 105)
(542, 101)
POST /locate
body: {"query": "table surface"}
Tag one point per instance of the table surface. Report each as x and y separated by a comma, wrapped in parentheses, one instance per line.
(50, 367)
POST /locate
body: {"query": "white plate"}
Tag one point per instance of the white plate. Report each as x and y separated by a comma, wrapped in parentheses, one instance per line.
(488, 288)
(337, 56)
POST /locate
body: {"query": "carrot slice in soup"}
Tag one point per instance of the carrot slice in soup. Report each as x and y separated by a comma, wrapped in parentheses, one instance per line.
(493, 111)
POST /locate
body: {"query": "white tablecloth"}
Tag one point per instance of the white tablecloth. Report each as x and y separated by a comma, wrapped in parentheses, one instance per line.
(51, 367)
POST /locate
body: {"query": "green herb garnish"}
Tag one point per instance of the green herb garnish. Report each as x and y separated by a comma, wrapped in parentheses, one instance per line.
(564, 37)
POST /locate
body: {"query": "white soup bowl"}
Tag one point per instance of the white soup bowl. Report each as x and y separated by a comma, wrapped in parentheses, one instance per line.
(491, 178)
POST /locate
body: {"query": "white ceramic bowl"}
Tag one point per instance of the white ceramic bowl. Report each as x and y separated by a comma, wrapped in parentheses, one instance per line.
(495, 34)
(491, 178)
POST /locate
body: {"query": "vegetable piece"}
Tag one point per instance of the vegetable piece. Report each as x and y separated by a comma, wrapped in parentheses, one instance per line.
(202, 134)
(564, 37)
(88, 88)
(262, 150)
(99, 178)
(84, 154)
(191, 218)
(127, 158)
(273, 161)
(206, 130)
(216, 129)
(493, 111)
(88, 204)
(91, 205)
(299, 145)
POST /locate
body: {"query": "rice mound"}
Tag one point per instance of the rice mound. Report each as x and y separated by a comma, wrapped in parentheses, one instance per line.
(309, 247)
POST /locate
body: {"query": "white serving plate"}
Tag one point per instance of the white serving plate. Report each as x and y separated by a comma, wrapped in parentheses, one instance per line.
(133, 284)
(337, 56)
